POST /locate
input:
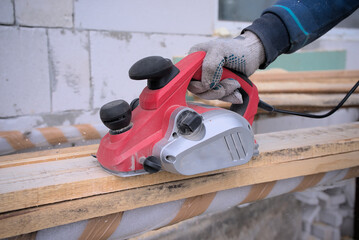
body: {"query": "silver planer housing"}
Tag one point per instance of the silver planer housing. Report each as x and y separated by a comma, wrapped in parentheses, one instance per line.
(223, 139)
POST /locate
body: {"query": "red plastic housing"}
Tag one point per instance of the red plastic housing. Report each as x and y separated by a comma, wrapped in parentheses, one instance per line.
(123, 152)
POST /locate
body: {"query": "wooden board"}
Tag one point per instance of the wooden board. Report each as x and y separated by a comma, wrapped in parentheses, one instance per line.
(36, 193)
(306, 87)
(301, 102)
(306, 82)
(313, 100)
(335, 76)
(47, 156)
(63, 177)
(37, 218)
(306, 91)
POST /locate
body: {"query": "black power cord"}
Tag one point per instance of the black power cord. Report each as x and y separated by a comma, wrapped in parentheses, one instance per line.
(267, 107)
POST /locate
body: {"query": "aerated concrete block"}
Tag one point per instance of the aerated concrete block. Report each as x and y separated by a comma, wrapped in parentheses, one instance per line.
(333, 218)
(334, 191)
(24, 72)
(323, 196)
(311, 237)
(113, 53)
(157, 16)
(333, 202)
(347, 228)
(70, 69)
(336, 234)
(346, 211)
(322, 231)
(309, 213)
(349, 191)
(337, 199)
(6, 12)
(308, 197)
(44, 13)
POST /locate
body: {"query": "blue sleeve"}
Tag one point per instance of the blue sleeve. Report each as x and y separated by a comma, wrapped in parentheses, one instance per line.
(291, 24)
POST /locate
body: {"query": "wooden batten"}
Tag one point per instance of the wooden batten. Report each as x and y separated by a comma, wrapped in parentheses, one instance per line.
(302, 91)
(46, 189)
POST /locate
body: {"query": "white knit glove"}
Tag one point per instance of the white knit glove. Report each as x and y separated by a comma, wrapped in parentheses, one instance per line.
(243, 54)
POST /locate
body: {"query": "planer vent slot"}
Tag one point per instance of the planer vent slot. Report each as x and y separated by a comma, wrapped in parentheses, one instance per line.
(235, 146)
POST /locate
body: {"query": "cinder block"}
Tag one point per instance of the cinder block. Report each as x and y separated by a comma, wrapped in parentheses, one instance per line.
(334, 191)
(306, 229)
(333, 218)
(349, 191)
(328, 205)
(6, 12)
(337, 199)
(347, 228)
(346, 211)
(336, 234)
(322, 231)
(308, 197)
(44, 13)
(334, 201)
(323, 196)
(113, 53)
(24, 71)
(21, 123)
(70, 66)
(311, 237)
(309, 213)
(157, 16)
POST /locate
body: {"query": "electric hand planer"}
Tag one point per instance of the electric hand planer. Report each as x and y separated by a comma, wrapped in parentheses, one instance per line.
(161, 131)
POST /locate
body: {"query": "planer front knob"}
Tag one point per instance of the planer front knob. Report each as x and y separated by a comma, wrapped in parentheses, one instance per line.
(116, 115)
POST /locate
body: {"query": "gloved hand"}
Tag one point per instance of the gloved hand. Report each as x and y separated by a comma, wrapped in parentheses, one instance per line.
(243, 54)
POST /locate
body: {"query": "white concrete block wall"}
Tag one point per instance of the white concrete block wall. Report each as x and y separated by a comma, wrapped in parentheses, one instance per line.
(112, 55)
(70, 69)
(24, 71)
(44, 13)
(338, 39)
(6, 12)
(72, 56)
(67, 58)
(156, 16)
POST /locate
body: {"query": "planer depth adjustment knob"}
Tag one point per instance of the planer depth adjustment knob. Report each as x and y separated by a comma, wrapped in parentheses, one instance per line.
(188, 122)
(157, 70)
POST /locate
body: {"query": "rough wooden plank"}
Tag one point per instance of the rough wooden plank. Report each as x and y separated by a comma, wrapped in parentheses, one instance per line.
(309, 91)
(307, 87)
(297, 101)
(36, 218)
(47, 155)
(305, 82)
(284, 155)
(307, 76)
(313, 100)
(36, 181)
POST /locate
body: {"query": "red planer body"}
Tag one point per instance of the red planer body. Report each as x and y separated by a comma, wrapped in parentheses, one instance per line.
(161, 131)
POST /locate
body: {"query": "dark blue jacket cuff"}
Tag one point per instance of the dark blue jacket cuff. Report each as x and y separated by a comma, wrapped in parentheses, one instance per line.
(273, 34)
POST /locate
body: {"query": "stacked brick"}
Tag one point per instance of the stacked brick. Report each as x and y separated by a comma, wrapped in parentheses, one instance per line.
(328, 214)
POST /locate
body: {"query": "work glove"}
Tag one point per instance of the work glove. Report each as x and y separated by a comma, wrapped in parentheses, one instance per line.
(244, 54)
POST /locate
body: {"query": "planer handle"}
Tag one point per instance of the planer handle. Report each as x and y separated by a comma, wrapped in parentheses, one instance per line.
(248, 90)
